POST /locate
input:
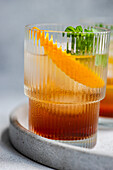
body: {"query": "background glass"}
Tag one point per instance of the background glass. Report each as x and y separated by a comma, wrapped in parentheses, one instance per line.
(106, 105)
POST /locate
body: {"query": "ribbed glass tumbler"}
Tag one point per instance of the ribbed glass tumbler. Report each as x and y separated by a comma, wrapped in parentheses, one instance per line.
(65, 79)
(106, 105)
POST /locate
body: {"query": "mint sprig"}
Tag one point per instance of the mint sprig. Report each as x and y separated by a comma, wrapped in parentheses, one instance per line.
(84, 39)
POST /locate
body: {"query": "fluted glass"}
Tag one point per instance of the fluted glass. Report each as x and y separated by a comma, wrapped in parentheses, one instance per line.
(106, 105)
(64, 89)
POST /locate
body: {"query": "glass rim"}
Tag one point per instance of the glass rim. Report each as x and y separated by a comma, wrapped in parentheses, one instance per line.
(103, 30)
(104, 24)
(105, 21)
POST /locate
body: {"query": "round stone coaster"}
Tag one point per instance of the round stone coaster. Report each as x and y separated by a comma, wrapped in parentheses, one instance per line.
(56, 154)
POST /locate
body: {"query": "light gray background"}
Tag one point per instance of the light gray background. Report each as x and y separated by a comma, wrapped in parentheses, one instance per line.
(14, 15)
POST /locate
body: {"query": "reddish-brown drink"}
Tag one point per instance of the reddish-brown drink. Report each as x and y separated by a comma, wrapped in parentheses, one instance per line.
(63, 121)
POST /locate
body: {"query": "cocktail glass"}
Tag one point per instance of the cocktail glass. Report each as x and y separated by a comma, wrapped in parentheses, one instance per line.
(65, 80)
(106, 105)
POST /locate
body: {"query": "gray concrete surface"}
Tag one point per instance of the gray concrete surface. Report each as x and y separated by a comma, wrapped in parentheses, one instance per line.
(57, 154)
(10, 159)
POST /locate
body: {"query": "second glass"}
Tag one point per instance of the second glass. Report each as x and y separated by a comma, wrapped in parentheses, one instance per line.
(65, 79)
(106, 105)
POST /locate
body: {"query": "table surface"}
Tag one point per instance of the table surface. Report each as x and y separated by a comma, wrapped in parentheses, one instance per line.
(9, 157)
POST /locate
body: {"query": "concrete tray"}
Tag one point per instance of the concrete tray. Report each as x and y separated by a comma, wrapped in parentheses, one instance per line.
(59, 155)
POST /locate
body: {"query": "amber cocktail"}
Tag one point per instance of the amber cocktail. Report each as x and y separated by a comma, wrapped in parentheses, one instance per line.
(65, 73)
(106, 105)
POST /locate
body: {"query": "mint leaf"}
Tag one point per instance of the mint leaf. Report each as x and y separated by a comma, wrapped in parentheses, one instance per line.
(70, 29)
(63, 34)
(79, 29)
(87, 30)
(100, 25)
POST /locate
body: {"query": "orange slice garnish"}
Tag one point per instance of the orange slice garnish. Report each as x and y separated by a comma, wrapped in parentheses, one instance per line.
(67, 63)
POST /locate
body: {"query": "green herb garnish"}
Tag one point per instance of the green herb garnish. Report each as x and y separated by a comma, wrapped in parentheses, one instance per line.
(84, 39)
(102, 25)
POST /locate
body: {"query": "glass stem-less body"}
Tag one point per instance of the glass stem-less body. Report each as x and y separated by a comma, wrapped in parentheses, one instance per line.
(65, 89)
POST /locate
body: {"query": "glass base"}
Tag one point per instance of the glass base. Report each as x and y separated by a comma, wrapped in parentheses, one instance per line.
(85, 143)
(106, 122)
